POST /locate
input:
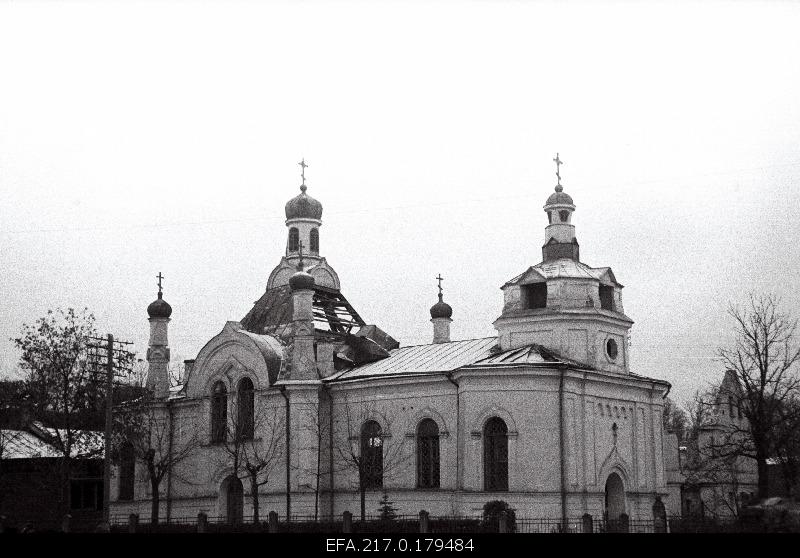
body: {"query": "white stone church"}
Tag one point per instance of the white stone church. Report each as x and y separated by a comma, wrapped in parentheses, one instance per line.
(546, 415)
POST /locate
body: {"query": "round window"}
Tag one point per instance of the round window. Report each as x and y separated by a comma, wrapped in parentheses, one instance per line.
(611, 349)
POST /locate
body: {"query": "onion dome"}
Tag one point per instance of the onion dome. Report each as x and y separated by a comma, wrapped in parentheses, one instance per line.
(559, 197)
(159, 308)
(301, 280)
(303, 206)
(441, 309)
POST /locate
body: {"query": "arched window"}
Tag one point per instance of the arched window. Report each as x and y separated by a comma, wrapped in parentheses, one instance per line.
(127, 470)
(219, 412)
(245, 406)
(371, 455)
(495, 455)
(730, 406)
(294, 239)
(315, 241)
(428, 454)
(564, 214)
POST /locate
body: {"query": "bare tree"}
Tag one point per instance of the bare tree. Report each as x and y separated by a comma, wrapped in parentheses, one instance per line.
(363, 445)
(254, 444)
(148, 425)
(63, 385)
(764, 358)
(675, 419)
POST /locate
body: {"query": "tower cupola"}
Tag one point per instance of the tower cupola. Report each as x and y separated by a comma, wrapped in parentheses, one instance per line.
(559, 235)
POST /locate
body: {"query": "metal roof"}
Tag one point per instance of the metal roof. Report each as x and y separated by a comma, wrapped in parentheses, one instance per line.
(530, 354)
(567, 268)
(420, 359)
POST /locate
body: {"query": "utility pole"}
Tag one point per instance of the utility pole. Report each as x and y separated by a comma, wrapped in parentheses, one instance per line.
(111, 355)
(109, 419)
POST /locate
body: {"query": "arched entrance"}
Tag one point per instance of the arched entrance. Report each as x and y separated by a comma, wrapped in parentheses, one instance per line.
(234, 499)
(615, 497)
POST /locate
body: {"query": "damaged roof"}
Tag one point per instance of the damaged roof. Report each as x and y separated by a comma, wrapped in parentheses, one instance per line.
(272, 313)
(567, 268)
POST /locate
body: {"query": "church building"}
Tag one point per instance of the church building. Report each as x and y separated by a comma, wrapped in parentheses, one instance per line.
(304, 408)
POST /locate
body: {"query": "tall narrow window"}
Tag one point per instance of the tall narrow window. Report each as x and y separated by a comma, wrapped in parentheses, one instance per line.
(371, 455)
(245, 406)
(127, 471)
(219, 412)
(606, 297)
(495, 455)
(730, 406)
(428, 454)
(294, 239)
(314, 241)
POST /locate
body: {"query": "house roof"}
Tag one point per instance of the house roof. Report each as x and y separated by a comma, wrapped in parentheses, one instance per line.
(27, 444)
(421, 359)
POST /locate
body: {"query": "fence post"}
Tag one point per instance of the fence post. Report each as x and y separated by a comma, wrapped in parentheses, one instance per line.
(273, 522)
(503, 522)
(202, 522)
(65, 523)
(588, 525)
(624, 523)
(347, 522)
(424, 525)
(659, 516)
(133, 522)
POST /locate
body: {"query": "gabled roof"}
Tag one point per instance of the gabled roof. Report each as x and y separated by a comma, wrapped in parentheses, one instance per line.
(37, 443)
(530, 354)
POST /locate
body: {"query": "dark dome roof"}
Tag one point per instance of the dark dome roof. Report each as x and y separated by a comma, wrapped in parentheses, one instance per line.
(559, 197)
(159, 308)
(301, 280)
(441, 309)
(303, 206)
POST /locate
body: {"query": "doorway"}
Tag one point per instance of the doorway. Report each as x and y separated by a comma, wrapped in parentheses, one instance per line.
(615, 497)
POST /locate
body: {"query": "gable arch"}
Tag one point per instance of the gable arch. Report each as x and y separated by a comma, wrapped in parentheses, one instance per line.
(426, 413)
(499, 412)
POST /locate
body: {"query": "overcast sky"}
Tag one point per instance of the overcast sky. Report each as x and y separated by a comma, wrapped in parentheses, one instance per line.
(145, 137)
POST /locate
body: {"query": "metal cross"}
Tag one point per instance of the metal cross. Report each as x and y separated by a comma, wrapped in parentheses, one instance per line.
(159, 277)
(440, 278)
(558, 163)
(303, 172)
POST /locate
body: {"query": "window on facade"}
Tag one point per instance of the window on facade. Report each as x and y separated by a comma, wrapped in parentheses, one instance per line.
(534, 295)
(86, 494)
(428, 454)
(495, 455)
(606, 297)
(730, 406)
(550, 217)
(219, 412)
(371, 455)
(739, 408)
(564, 214)
(611, 349)
(294, 239)
(315, 241)
(245, 400)
(127, 471)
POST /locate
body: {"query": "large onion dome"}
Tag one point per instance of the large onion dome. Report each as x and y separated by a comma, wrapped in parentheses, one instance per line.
(303, 206)
(159, 308)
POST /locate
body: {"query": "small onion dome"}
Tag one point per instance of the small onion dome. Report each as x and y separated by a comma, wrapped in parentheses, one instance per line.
(559, 197)
(441, 309)
(301, 280)
(159, 308)
(303, 206)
